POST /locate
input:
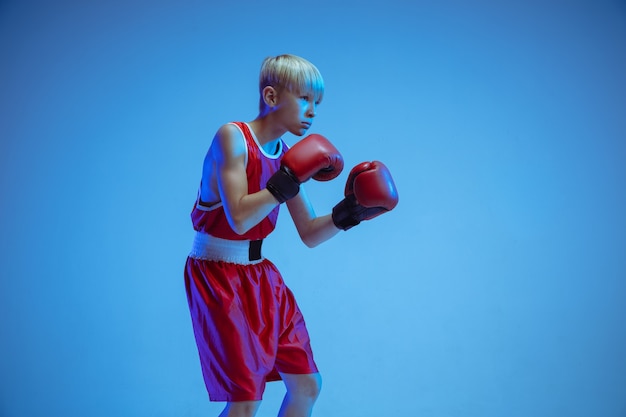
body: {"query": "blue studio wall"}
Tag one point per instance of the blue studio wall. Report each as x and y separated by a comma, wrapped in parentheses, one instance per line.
(496, 288)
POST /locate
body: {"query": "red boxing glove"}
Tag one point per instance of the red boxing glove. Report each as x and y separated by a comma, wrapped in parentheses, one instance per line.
(370, 192)
(313, 157)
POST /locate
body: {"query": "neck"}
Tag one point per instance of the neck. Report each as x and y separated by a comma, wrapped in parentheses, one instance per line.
(265, 130)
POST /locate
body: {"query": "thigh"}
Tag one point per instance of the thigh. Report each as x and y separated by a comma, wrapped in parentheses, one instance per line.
(235, 355)
(294, 354)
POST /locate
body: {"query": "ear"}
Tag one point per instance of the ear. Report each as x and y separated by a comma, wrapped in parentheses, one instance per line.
(270, 96)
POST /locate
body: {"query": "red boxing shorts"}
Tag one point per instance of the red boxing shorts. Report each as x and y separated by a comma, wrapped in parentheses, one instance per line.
(247, 325)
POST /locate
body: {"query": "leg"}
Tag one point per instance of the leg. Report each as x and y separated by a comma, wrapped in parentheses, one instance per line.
(240, 409)
(302, 391)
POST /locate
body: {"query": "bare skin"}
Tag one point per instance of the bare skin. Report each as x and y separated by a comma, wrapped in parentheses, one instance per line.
(302, 391)
(224, 174)
(224, 181)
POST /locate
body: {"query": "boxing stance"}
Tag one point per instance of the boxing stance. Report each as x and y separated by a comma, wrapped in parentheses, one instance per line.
(247, 324)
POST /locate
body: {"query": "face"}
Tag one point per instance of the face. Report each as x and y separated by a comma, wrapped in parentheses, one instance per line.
(296, 111)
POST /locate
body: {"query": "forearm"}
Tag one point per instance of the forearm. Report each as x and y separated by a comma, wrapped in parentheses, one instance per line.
(312, 229)
(248, 211)
(319, 230)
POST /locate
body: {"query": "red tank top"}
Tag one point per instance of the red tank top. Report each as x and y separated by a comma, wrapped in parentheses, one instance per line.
(259, 168)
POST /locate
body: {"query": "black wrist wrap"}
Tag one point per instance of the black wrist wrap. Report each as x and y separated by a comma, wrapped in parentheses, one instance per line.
(345, 214)
(283, 185)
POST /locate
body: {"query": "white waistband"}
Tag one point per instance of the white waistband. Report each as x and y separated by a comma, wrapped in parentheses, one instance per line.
(211, 248)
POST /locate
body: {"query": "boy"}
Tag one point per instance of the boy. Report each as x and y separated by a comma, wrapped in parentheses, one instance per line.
(248, 327)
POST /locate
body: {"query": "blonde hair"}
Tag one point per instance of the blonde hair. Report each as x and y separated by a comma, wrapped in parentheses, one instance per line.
(290, 72)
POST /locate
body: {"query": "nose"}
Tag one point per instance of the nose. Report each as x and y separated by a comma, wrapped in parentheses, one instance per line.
(310, 111)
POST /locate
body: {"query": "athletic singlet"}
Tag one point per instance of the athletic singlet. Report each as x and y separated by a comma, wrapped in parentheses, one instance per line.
(259, 168)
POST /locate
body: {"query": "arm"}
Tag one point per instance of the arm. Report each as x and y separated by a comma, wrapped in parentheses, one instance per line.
(313, 230)
(312, 157)
(370, 192)
(243, 210)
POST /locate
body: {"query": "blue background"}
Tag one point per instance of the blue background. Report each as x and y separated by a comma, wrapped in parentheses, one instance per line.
(496, 287)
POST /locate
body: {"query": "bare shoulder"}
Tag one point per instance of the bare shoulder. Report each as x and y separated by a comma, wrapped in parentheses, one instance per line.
(226, 154)
(228, 143)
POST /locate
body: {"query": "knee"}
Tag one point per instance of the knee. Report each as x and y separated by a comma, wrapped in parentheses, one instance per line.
(306, 387)
(314, 386)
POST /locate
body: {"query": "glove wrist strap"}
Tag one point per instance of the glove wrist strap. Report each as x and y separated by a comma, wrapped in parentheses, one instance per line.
(343, 214)
(283, 185)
